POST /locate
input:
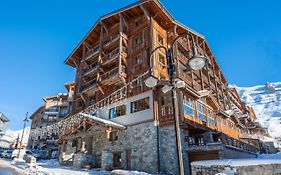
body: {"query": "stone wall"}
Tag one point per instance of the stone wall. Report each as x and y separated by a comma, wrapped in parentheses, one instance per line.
(140, 139)
(235, 153)
(168, 150)
(266, 169)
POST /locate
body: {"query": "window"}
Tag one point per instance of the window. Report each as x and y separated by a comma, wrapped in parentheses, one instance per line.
(52, 118)
(201, 112)
(137, 22)
(165, 100)
(113, 136)
(74, 143)
(117, 111)
(161, 59)
(140, 105)
(137, 41)
(160, 39)
(137, 60)
(211, 117)
(188, 107)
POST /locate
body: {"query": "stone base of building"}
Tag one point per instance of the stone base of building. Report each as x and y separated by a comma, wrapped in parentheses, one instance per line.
(268, 169)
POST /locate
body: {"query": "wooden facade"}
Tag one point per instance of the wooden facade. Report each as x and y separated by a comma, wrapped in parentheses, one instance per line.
(117, 50)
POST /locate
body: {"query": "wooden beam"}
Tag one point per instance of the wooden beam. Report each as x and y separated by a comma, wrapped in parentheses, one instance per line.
(103, 26)
(146, 12)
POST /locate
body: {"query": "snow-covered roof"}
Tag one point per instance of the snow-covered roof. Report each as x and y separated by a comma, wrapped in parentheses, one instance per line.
(103, 121)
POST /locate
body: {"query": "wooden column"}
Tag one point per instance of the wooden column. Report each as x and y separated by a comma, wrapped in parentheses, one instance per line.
(83, 145)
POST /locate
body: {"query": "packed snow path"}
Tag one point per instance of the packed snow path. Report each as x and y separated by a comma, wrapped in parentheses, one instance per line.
(52, 167)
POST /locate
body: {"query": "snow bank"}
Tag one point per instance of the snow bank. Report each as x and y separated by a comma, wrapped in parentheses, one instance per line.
(49, 163)
(123, 172)
(263, 159)
(26, 168)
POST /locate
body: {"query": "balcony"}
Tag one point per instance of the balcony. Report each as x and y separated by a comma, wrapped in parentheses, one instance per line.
(185, 77)
(89, 85)
(110, 40)
(182, 57)
(166, 114)
(90, 70)
(92, 52)
(110, 57)
(217, 141)
(51, 111)
(112, 76)
(183, 44)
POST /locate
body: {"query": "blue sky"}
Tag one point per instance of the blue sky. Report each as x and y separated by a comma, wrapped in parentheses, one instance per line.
(37, 36)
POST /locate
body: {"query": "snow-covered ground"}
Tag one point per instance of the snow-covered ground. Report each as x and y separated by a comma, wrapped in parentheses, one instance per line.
(52, 167)
(267, 105)
(261, 159)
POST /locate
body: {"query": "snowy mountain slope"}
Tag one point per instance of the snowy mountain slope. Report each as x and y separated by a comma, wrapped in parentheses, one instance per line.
(266, 101)
(11, 135)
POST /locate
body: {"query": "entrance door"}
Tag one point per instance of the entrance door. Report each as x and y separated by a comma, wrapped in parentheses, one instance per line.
(117, 159)
(206, 155)
(128, 158)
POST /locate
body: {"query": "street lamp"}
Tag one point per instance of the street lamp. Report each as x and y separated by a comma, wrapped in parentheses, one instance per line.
(196, 62)
(23, 130)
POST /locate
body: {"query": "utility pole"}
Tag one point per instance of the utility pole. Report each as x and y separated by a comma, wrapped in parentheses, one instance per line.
(24, 125)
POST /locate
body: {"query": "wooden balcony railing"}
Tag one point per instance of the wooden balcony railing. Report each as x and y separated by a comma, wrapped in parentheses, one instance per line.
(111, 39)
(166, 114)
(182, 57)
(88, 85)
(110, 56)
(112, 73)
(183, 43)
(90, 68)
(92, 52)
(184, 76)
(199, 140)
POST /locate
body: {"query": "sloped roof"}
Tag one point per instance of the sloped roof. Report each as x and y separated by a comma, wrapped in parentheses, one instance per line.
(103, 121)
(155, 8)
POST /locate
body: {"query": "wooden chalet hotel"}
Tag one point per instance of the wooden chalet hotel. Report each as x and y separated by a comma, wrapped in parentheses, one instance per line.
(115, 116)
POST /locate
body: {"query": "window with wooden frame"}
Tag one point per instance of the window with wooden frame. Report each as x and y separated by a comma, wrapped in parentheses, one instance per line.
(210, 117)
(117, 111)
(140, 105)
(137, 41)
(137, 22)
(166, 103)
(113, 136)
(74, 143)
(137, 60)
(201, 112)
(188, 107)
(162, 60)
(160, 39)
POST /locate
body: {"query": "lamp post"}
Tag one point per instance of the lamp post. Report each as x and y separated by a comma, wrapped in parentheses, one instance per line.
(196, 62)
(24, 125)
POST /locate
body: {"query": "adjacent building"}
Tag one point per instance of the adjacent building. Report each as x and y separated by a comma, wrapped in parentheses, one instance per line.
(118, 122)
(4, 142)
(55, 108)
